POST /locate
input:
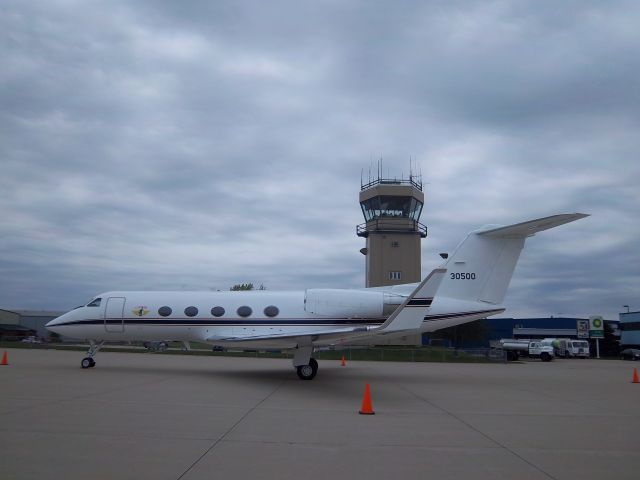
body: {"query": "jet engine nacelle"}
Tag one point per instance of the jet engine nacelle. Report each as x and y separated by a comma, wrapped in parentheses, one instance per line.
(349, 303)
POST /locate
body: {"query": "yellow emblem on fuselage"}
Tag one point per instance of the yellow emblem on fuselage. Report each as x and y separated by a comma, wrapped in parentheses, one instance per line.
(140, 311)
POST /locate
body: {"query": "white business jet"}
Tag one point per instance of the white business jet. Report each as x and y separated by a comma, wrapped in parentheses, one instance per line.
(470, 285)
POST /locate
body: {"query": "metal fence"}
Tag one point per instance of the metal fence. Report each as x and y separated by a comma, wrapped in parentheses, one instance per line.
(426, 354)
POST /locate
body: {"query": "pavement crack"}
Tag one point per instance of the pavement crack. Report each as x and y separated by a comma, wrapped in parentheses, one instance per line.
(231, 429)
(477, 430)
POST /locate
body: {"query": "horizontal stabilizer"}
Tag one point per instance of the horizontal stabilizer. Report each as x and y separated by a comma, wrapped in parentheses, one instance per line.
(410, 314)
(526, 229)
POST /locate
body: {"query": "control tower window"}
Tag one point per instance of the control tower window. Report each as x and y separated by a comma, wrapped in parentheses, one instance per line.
(94, 303)
(391, 206)
(416, 209)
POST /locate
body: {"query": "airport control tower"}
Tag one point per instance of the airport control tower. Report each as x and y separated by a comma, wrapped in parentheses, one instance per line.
(391, 209)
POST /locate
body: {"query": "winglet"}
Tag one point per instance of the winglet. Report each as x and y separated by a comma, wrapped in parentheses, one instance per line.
(410, 315)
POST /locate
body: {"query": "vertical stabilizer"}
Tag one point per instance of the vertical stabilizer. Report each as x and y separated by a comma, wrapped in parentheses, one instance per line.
(482, 265)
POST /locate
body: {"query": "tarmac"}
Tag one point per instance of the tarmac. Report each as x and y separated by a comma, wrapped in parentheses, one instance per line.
(175, 417)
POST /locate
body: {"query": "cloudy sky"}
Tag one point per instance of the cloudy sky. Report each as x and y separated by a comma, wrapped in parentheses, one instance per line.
(194, 145)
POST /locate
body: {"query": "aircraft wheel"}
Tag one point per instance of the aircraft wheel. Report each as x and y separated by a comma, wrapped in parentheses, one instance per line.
(87, 362)
(308, 372)
(93, 363)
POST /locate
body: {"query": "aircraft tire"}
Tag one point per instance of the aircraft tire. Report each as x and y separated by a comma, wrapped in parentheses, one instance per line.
(545, 357)
(308, 372)
(93, 363)
(87, 362)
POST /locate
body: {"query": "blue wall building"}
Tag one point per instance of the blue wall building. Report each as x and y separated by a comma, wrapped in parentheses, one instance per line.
(630, 329)
(491, 329)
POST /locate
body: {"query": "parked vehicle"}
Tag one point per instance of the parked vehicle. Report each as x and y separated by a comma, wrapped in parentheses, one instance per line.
(542, 351)
(31, 339)
(568, 347)
(514, 348)
(630, 354)
(156, 346)
(579, 349)
(14, 333)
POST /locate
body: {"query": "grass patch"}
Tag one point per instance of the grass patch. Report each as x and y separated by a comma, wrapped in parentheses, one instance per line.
(376, 354)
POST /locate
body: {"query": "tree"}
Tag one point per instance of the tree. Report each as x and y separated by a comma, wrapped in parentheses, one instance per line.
(239, 287)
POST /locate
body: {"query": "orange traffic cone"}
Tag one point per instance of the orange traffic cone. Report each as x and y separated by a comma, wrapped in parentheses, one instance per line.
(367, 408)
(5, 361)
(635, 376)
(342, 363)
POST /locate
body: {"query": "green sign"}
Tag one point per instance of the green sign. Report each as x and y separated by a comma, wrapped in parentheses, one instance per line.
(596, 326)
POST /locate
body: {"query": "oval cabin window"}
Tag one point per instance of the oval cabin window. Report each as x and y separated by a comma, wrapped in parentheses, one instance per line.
(164, 311)
(271, 311)
(217, 311)
(191, 311)
(244, 311)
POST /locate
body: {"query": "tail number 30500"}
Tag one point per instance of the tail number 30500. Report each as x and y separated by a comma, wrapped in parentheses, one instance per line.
(463, 276)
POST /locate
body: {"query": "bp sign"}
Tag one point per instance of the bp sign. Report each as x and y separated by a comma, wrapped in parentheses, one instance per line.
(596, 327)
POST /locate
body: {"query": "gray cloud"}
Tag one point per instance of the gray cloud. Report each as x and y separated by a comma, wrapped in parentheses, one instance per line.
(193, 146)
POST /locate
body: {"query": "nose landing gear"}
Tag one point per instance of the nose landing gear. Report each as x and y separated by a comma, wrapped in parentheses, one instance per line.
(94, 348)
(88, 362)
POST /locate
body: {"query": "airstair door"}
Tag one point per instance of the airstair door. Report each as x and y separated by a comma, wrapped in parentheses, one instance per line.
(113, 315)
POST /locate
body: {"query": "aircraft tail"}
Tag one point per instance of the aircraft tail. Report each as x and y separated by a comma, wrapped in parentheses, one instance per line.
(482, 265)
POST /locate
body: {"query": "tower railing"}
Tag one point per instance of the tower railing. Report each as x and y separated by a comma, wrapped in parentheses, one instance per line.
(392, 181)
(391, 224)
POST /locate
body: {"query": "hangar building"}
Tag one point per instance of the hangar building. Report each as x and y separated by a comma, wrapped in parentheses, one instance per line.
(34, 320)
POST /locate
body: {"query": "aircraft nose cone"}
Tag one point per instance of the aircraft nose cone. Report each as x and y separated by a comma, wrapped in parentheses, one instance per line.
(52, 323)
(55, 322)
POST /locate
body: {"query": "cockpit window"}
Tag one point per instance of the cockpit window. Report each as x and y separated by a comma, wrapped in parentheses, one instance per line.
(94, 303)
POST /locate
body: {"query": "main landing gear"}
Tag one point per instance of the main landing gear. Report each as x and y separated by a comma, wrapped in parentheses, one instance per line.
(94, 348)
(308, 372)
(306, 367)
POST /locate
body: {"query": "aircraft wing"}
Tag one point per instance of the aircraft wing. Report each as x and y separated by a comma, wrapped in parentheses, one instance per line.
(406, 318)
(338, 332)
